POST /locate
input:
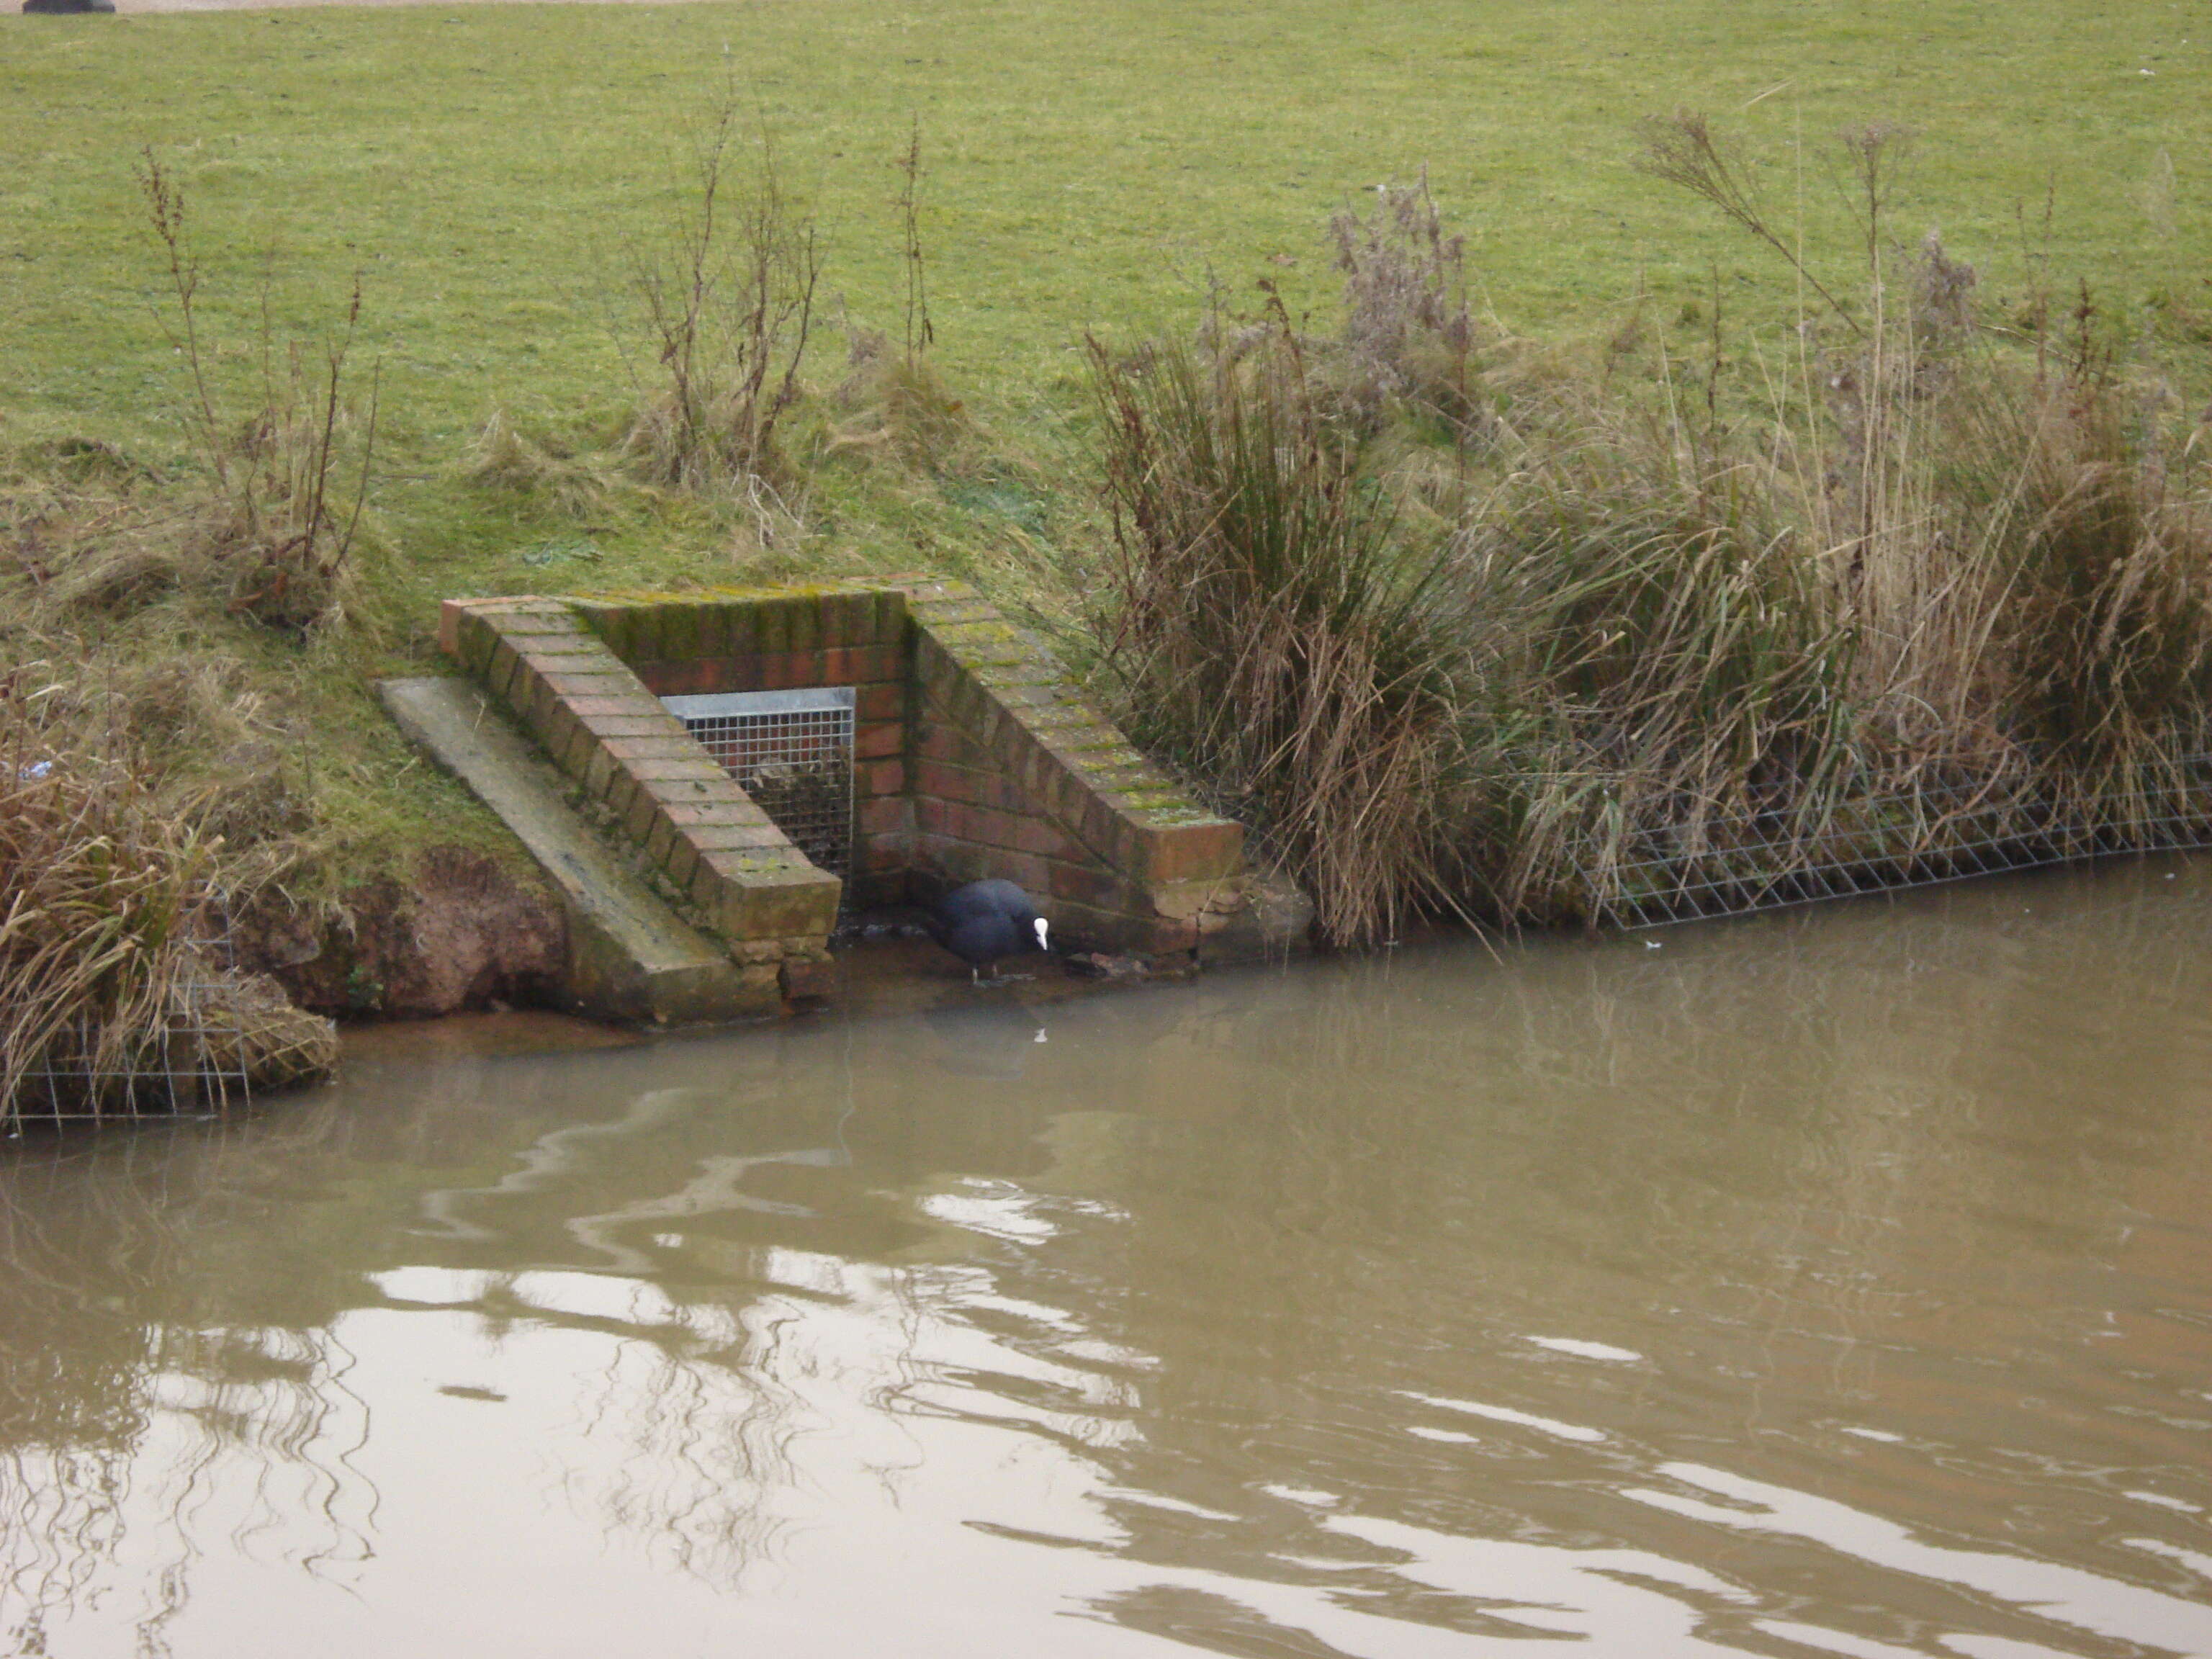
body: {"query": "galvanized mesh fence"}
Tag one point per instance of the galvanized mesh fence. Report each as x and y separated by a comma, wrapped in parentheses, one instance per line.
(198, 1064)
(792, 751)
(1879, 843)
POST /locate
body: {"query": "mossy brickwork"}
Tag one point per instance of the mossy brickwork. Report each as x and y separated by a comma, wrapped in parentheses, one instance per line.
(782, 640)
(633, 759)
(974, 757)
(1016, 773)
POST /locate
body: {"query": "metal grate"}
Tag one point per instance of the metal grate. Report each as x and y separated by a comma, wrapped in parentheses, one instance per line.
(792, 751)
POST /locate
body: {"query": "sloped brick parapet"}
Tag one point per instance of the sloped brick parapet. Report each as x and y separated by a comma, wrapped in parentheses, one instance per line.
(1016, 773)
(626, 753)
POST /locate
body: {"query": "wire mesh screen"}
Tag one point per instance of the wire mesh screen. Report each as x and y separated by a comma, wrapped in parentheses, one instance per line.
(792, 751)
(198, 1064)
(1880, 843)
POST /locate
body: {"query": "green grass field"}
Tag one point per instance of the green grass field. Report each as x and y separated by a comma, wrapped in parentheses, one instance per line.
(1087, 164)
(1087, 167)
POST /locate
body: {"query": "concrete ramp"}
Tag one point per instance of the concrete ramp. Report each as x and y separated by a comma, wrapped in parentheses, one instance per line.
(630, 957)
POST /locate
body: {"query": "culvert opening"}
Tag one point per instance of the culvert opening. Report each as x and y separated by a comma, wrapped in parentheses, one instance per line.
(792, 751)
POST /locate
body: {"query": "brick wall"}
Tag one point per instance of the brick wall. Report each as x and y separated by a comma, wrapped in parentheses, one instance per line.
(1017, 775)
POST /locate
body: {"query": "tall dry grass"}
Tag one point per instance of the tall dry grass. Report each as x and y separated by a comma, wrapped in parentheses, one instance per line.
(108, 896)
(1889, 595)
(1945, 589)
(1269, 631)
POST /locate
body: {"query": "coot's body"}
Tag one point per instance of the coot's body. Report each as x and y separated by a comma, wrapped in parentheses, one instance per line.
(984, 921)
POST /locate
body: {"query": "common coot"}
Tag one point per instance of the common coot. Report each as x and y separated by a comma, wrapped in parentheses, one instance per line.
(984, 920)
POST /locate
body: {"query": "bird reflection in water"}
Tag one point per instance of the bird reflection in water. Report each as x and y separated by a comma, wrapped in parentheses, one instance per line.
(996, 1042)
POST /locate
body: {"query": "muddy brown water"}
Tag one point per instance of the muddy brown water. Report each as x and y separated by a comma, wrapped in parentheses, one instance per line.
(1836, 1283)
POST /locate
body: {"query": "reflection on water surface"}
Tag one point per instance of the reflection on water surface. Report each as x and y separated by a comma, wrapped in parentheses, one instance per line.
(1834, 1283)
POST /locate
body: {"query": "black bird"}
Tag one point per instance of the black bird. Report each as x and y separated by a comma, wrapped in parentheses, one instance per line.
(983, 922)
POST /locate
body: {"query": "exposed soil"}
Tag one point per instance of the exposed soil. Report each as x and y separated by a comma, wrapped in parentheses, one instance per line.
(467, 932)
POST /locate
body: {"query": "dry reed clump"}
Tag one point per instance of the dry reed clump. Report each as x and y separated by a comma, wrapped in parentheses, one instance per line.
(896, 403)
(2100, 570)
(1910, 601)
(1666, 672)
(110, 898)
(1268, 631)
(1944, 594)
(104, 897)
(1409, 344)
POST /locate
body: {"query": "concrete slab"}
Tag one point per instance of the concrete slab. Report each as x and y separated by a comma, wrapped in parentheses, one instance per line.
(630, 956)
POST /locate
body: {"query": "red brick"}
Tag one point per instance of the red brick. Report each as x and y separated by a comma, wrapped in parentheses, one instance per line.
(615, 728)
(878, 740)
(803, 619)
(861, 664)
(1189, 851)
(561, 726)
(734, 837)
(1101, 888)
(498, 673)
(791, 670)
(883, 777)
(687, 678)
(880, 702)
(682, 860)
(883, 852)
(771, 628)
(562, 661)
(984, 825)
(956, 860)
(600, 770)
(741, 813)
(975, 787)
(740, 630)
(689, 768)
(621, 795)
(632, 706)
(940, 740)
(574, 748)
(845, 619)
(884, 815)
(537, 702)
(655, 747)
(611, 681)
(450, 613)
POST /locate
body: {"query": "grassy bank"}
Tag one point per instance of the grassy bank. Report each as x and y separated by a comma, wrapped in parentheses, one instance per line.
(492, 175)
